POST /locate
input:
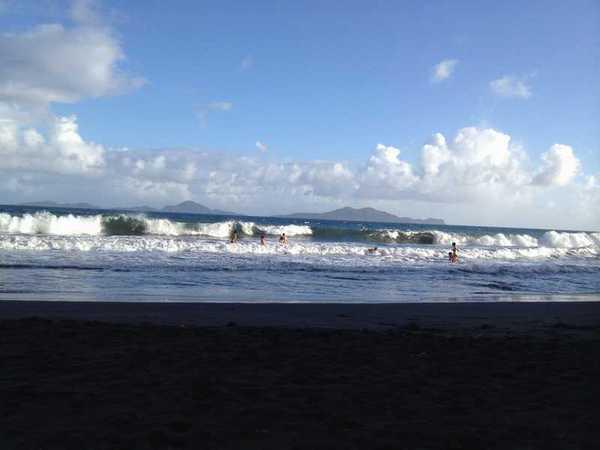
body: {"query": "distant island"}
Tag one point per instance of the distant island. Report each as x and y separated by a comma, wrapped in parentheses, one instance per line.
(363, 215)
(187, 207)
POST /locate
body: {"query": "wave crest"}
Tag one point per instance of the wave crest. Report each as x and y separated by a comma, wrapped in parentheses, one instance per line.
(71, 225)
(46, 223)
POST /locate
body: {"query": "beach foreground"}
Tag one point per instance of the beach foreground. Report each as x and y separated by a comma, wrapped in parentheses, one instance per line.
(495, 376)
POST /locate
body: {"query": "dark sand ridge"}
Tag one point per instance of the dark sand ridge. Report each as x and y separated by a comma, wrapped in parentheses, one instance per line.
(277, 376)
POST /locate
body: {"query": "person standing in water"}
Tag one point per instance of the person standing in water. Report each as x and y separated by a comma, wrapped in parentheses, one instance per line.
(262, 239)
(234, 236)
(283, 239)
(454, 253)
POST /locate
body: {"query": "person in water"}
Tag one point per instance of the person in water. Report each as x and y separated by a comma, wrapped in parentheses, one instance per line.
(234, 237)
(283, 239)
(371, 251)
(262, 239)
(453, 254)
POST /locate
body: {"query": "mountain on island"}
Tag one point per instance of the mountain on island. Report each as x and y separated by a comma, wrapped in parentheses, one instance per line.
(363, 215)
(191, 207)
(143, 208)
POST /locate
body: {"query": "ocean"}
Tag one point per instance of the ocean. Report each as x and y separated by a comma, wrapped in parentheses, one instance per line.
(102, 255)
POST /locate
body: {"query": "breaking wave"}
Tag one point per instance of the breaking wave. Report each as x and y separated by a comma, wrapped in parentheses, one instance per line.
(552, 239)
(47, 224)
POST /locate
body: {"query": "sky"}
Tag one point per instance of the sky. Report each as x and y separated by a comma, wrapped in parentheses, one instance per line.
(483, 113)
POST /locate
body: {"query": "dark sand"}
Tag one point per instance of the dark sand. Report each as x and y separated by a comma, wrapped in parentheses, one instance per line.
(276, 376)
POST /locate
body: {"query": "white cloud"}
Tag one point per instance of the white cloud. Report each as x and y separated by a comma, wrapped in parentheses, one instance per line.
(144, 190)
(592, 182)
(262, 147)
(559, 168)
(386, 174)
(443, 70)
(511, 87)
(434, 155)
(53, 63)
(478, 175)
(63, 151)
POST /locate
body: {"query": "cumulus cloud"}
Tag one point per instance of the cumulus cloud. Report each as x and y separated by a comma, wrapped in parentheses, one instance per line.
(443, 70)
(62, 151)
(53, 63)
(480, 171)
(476, 163)
(559, 168)
(386, 174)
(511, 87)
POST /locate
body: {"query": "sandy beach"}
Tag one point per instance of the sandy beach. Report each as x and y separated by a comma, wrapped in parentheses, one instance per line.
(274, 376)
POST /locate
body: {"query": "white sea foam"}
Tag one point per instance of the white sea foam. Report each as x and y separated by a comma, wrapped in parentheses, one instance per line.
(149, 243)
(47, 223)
(289, 230)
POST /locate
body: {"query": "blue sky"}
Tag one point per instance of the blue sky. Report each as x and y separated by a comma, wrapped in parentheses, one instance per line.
(329, 80)
(316, 80)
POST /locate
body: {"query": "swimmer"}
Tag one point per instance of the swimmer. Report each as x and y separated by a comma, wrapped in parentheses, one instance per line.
(262, 239)
(371, 251)
(234, 237)
(283, 239)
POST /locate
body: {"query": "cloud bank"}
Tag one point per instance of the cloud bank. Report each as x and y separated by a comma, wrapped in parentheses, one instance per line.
(478, 170)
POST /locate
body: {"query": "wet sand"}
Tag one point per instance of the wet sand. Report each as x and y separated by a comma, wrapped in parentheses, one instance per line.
(276, 376)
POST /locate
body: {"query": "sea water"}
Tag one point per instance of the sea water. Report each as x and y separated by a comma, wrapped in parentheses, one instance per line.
(72, 254)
